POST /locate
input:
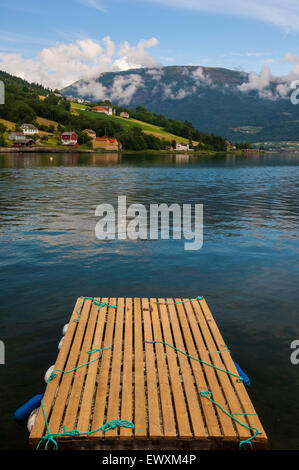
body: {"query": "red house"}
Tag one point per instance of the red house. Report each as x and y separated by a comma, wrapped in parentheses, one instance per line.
(69, 138)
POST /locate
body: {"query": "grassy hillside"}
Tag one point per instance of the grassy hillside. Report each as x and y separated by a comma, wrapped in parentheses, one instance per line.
(130, 123)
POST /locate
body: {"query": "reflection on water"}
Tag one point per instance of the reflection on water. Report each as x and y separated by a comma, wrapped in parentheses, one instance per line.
(247, 268)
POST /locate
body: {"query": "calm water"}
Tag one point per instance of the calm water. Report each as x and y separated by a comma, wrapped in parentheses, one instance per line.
(247, 268)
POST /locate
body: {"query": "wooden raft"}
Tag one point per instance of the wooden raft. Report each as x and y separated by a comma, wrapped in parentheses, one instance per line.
(152, 385)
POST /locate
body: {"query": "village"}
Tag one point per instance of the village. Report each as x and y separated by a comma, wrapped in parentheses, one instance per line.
(28, 135)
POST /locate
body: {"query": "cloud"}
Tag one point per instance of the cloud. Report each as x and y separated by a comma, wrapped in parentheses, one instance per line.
(200, 77)
(269, 86)
(134, 57)
(122, 90)
(258, 82)
(169, 92)
(65, 63)
(284, 14)
(156, 73)
(96, 4)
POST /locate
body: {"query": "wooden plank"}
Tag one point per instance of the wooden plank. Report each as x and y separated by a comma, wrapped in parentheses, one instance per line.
(169, 426)
(102, 390)
(207, 406)
(114, 388)
(233, 403)
(76, 391)
(190, 390)
(241, 391)
(211, 378)
(181, 411)
(127, 382)
(39, 425)
(66, 379)
(90, 385)
(139, 395)
(154, 419)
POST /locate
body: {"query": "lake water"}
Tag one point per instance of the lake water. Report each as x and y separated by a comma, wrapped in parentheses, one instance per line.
(247, 268)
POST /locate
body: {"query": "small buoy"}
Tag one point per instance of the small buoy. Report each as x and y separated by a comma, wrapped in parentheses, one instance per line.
(48, 373)
(25, 410)
(31, 419)
(245, 378)
(60, 343)
(64, 330)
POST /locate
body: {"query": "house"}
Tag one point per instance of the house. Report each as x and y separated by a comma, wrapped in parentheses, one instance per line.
(182, 147)
(228, 144)
(69, 138)
(16, 136)
(29, 129)
(71, 99)
(90, 132)
(169, 148)
(125, 115)
(104, 109)
(106, 144)
(23, 143)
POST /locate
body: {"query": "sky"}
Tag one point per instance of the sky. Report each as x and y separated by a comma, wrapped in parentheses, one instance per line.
(58, 42)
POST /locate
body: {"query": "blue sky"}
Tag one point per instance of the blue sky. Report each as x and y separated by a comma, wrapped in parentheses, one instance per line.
(245, 33)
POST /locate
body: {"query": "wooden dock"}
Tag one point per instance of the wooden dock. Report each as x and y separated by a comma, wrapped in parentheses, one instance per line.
(174, 401)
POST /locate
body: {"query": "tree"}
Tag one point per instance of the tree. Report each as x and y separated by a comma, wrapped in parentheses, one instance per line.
(2, 140)
(2, 128)
(22, 112)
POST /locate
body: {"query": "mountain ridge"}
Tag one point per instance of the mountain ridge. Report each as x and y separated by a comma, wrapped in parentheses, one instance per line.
(213, 99)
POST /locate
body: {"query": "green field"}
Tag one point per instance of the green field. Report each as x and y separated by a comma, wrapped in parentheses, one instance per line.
(127, 123)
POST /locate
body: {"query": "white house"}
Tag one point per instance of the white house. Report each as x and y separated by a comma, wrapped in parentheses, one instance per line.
(181, 146)
(29, 129)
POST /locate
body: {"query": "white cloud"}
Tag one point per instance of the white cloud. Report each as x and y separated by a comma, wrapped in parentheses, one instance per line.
(122, 90)
(63, 64)
(280, 13)
(136, 56)
(156, 73)
(257, 81)
(96, 4)
(170, 93)
(200, 77)
(269, 86)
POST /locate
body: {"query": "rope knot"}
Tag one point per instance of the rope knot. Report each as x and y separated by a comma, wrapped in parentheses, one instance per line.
(205, 393)
(73, 432)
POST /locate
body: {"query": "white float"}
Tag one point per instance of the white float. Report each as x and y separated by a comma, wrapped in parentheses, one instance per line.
(31, 419)
(64, 330)
(48, 373)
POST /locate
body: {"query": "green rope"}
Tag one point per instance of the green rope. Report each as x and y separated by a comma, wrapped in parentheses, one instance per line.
(220, 351)
(49, 437)
(195, 358)
(199, 297)
(96, 302)
(208, 395)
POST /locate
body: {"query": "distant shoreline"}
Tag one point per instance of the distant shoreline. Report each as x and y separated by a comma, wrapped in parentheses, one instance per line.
(154, 152)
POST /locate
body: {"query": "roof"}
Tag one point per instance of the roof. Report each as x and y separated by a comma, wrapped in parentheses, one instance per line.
(91, 131)
(68, 133)
(105, 139)
(28, 126)
(100, 108)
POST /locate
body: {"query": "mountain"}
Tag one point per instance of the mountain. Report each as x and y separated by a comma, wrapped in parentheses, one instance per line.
(225, 102)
